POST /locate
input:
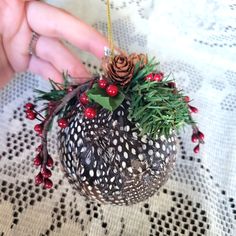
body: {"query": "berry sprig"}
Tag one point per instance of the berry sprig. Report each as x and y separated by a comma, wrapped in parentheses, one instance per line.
(155, 77)
(197, 135)
(111, 89)
(44, 173)
(52, 109)
(89, 112)
(102, 93)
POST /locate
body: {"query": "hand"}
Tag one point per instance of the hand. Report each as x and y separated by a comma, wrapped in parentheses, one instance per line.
(18, 19)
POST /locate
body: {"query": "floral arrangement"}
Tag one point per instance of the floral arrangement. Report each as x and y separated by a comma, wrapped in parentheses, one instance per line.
(157, 106)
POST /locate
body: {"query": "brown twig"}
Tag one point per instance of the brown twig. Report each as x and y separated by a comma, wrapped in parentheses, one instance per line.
(49, 118)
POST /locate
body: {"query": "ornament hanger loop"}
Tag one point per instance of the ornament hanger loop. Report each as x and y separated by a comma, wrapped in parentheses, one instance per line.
(109, 29)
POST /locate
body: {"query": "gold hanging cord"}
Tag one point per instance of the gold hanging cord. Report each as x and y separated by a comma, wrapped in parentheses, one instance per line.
(109, 29)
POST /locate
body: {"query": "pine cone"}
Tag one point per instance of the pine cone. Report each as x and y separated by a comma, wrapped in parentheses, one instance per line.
(139, 58)
(120, 70)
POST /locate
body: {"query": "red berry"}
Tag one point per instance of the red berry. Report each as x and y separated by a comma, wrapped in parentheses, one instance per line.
(38, 128)
(172, 84)
(149, 77)
(39, 148)
(62, 123)
(51, 105)
(38, 179)
(38, 160)
(90, 113)
(112, 90)
(158, 77)
(200, 135)
(102, 83)
(31, 115)
(193, 109)
(49, 161)
(187, 99)
(84, 99)
(46, 172)
(196, 149)
(70, 89)
(29, 106)
(47, 183)
(194, 138)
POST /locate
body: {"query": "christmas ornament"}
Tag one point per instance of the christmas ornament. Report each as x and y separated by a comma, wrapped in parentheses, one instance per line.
(117, 138)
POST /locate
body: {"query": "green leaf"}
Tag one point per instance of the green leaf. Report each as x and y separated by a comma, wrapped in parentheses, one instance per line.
(99, 96)
(116, 101)
(53, 95)
(101, 100)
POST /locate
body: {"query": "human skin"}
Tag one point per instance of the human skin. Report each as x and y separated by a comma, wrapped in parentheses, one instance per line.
(19, 18)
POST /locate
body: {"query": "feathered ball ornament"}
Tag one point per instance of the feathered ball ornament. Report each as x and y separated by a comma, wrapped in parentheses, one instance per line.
(117, 142)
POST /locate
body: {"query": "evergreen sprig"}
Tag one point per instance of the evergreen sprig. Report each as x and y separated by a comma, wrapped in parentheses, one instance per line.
(57, 92)
(157, 108)
(150, 67)
(53, 95)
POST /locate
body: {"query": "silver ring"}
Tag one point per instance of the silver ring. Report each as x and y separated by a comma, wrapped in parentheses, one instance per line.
(33, 42)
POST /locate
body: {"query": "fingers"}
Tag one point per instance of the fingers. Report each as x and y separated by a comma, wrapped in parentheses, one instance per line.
(6, 71)
(53, 22)
(54, 52)
(45, 69)
(16, 42)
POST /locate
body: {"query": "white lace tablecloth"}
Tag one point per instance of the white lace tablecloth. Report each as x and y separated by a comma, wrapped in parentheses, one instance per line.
(196, 40)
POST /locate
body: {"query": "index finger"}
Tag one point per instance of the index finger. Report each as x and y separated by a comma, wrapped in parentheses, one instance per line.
(54, 22)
